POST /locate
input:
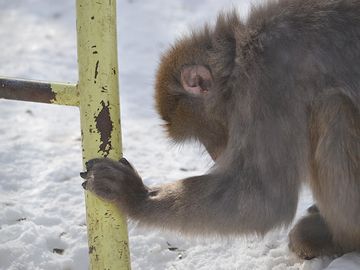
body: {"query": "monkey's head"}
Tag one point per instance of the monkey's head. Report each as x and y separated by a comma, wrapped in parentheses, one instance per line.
(191, 85)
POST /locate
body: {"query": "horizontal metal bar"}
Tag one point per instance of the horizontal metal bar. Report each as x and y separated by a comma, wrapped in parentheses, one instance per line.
(37, 91)
(66, 94)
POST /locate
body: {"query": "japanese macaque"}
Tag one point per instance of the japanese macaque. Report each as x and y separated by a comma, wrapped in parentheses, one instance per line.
(275, 100)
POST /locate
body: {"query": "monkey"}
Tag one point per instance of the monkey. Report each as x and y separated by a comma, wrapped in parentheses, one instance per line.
(274, 99)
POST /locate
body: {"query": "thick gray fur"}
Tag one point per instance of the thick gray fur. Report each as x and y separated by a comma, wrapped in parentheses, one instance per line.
(286, 95)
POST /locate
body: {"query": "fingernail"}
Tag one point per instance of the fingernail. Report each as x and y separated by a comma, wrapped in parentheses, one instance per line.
(83, 175)
(87, 165)
(124, 161)
(84, 184)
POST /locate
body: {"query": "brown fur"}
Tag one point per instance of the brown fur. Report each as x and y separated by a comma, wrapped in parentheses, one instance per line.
(283, 104)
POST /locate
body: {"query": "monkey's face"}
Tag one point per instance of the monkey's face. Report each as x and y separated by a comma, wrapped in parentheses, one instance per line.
(183, 83)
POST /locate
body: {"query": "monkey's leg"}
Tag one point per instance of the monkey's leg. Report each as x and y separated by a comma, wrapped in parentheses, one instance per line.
(335, 160)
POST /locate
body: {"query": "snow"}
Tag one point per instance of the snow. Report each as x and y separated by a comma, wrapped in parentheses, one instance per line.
(42, 219)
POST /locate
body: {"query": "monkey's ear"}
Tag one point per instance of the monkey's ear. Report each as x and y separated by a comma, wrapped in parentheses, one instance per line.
(196, 79)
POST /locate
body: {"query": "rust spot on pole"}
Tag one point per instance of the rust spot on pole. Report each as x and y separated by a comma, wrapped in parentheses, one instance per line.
(104, 125)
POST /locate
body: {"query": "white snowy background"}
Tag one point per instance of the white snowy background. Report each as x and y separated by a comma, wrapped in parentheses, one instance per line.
(42, 217)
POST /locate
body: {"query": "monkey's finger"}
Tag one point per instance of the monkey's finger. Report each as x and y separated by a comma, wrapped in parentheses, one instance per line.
(126, 163)
(83, 175)
(90, 163)
(84, 184)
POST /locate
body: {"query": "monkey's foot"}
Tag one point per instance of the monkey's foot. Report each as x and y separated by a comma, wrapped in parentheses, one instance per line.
(115, 181)
(312, 238)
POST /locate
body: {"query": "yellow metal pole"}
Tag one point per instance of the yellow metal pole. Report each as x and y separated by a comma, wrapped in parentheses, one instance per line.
(100, 126)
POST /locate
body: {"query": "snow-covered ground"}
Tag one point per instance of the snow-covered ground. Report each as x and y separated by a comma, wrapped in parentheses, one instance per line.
(42, 219)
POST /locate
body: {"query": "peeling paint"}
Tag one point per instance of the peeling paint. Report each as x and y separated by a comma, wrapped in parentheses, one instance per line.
(96, 70)
(91, 249)
(104, 126)
(104, 89)
(124, 248)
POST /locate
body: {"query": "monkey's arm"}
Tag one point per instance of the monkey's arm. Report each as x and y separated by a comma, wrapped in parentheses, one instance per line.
(212, 203)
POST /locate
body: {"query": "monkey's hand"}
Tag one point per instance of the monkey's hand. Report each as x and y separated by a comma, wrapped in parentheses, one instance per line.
(115, 181)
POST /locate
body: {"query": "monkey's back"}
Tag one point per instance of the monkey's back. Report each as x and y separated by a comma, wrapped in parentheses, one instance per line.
(309, 45)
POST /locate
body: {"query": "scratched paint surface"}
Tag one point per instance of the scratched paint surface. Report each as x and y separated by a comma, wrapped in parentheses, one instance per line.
(41, 199)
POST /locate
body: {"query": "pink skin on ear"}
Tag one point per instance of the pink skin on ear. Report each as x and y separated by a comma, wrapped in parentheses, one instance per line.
(196, 79)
